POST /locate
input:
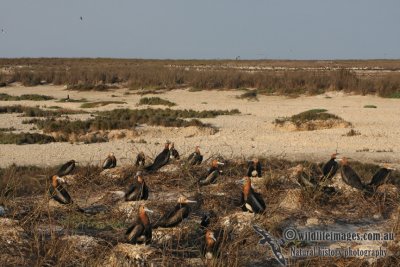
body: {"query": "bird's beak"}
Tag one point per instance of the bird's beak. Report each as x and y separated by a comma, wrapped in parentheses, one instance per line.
(391, 168)
(220, 163)
(147, 210)
(338, 160)
(190, 201)
(213, 237)
(241, 181)
(61, 180)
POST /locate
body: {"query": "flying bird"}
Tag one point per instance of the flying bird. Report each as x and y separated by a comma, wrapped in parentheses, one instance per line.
(176, 215)
(141, 231)
(81, 18)
(268, 238)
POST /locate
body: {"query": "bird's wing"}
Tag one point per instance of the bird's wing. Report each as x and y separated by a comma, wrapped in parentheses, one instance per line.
(134, 231)
(107, 163)
(256, 200)
(259, 170)
(380, 176)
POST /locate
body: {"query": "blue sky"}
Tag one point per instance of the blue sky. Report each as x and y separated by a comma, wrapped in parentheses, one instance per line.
(206, 29)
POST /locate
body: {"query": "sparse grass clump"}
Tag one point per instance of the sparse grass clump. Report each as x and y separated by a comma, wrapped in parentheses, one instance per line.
(370, 106)
(36, 112)
(89, 87)
(25, 138)
(7, 129)
(100, 104)
(249, 95)
(128, 119)
(156, 101)
(32, 97)
(311, 120)
(352, 132)
(70, 100)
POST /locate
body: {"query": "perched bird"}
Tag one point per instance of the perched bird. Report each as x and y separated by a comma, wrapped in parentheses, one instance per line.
(250, 200)
(138, 190)
(254, 168)
(349, 176)
(174, 153)
(141, 231)
(58, 192)
(211, 245)
(140, 159)
(381, 176)
(211, 174)
(110, 162)
(303, 179)
(161, 160)
(176, 215)
(330, 168)
(67, 168)
(195, 158)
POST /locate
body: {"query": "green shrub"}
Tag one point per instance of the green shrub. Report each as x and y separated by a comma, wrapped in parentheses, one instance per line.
(155, 101)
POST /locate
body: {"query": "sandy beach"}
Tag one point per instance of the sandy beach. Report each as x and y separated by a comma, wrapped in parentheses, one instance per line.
(248, 134)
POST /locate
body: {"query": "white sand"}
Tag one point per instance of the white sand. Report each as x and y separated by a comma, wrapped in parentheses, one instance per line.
(250, 133)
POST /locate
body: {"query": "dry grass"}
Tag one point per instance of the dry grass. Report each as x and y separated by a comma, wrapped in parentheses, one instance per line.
(269, 77)
(23, 193)
(156, 101)
(32, 97)
(100, 104)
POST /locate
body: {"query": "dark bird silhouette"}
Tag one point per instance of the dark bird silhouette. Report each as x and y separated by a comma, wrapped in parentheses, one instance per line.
(138, 190)
(161, 160)
(195, 158)
(174, 153)
(304, 180)
(272, 242)
(110, 162)
(330, 168)
(140, 159)
(381, 176)
(349, 176)
(141, 231)
(81, 18)
(58, 192)
(67, 168)
(212, 173)
(254, 168)
(180, 212)
(250, 200)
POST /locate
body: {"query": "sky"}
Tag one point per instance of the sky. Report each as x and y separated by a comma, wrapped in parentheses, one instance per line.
(202, 29)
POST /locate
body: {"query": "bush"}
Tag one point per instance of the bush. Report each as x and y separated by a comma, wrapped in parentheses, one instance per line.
(25, 138)
(155, 101)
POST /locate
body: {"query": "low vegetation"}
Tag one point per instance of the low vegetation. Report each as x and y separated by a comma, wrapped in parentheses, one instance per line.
(156, 101)
(128, 119)
(25, 138)
(352, 132)
(250, 95)
(268, 76)
(100, 104)
(33, 97)
(313, 119)
(46, 227)
(36, 111)
(370, 106)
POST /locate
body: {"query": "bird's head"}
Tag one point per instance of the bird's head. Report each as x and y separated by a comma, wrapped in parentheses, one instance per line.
(215, 163)
(388, 166)
(343, 161)
(140, 179)
(111, 154)
(197, 149)
(210, 238)
(143, 214)
(334, 155)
